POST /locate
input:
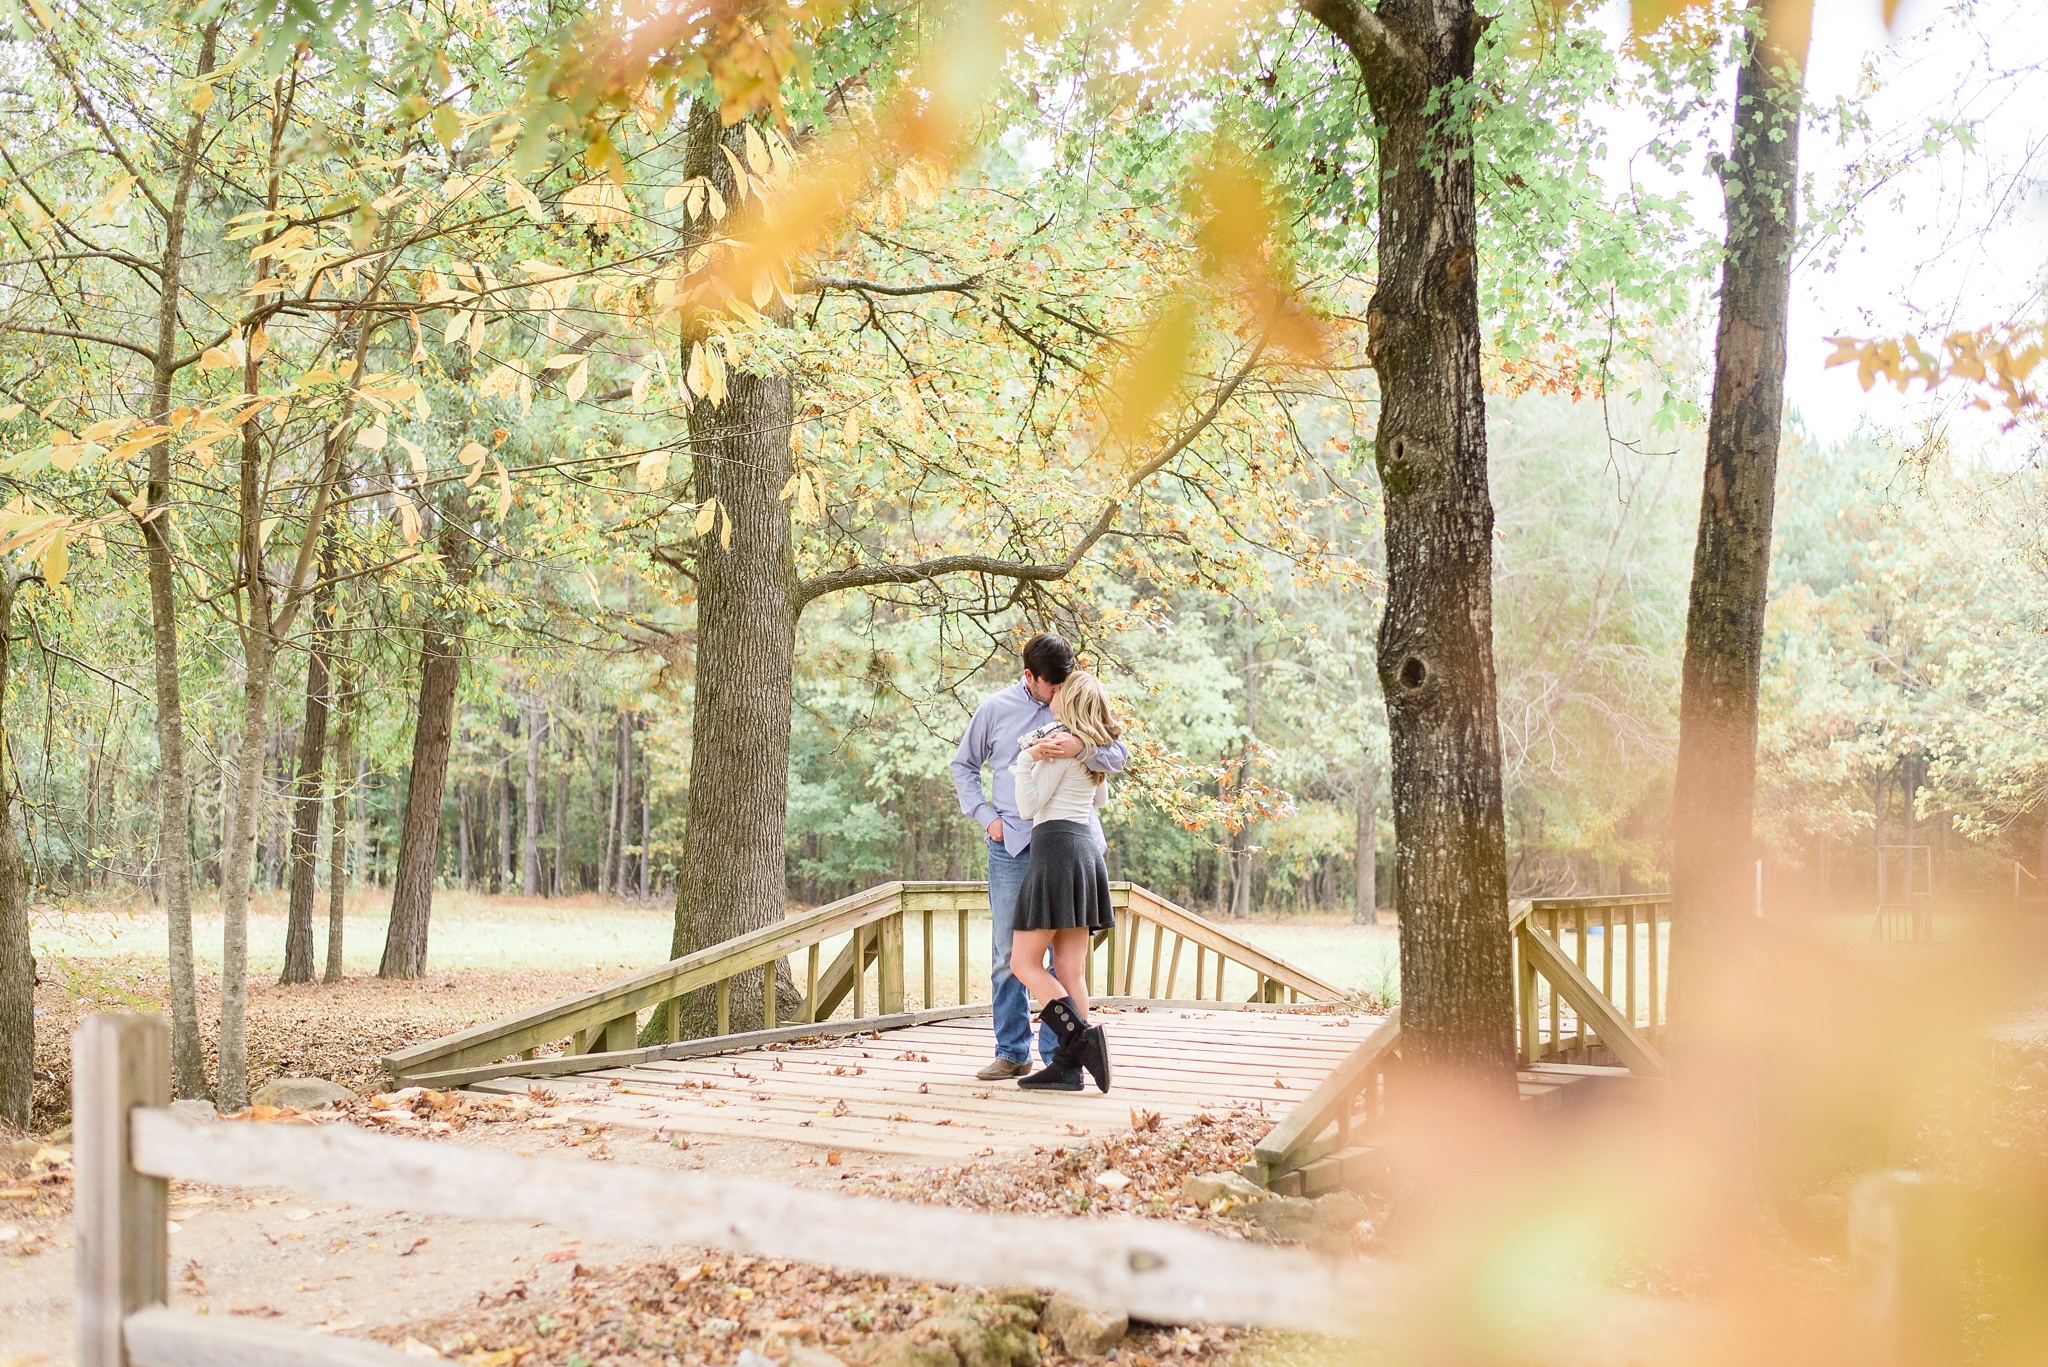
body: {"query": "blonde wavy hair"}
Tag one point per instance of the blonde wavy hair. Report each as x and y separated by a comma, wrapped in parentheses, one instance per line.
(1082, 706)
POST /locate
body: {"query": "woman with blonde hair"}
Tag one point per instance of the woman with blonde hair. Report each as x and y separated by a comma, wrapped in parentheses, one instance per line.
(1065, 897)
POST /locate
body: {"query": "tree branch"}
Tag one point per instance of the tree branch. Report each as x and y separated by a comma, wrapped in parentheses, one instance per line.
(1362, 30)
(140, 350)
(840, 282)
(1024, 571)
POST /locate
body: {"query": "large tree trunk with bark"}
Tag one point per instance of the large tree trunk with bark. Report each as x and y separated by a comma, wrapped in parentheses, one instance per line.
(17, 958)
(173, 790)
(419, 840)
(1436, 637)
(730, 876)
(308, 798)
(1715, 787)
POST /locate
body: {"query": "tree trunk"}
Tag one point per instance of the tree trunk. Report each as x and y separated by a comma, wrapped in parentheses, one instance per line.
(558, 882)
(307, 796)
(502, 875)
(174, 796)
(419, 840)
(624, 871)
(529, 852)
(607, 785)
(17, 957)
(1436, 636)
(337, 834)
(246, 809)
(646, 813)
(730, 872)
(1715, 786)
(1365, 897)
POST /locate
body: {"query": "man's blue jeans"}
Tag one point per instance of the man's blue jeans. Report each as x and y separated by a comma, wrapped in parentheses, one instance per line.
(1012, 1002)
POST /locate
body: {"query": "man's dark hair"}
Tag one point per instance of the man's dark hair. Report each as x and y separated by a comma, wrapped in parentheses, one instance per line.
(1049, 657)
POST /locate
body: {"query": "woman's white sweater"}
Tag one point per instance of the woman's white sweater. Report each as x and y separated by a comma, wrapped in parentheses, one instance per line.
(1056, 789)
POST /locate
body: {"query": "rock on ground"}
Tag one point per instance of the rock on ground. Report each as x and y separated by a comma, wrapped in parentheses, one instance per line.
(1083, 1331)
(1222, 1186)
(303, 1093)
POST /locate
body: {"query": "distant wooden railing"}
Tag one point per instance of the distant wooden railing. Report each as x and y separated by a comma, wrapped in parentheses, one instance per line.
(1575, 1004)
(605, 1026)
(128, 1145)
(1565, 1015)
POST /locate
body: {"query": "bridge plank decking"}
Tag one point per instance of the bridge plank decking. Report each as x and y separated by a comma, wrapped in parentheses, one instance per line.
(912, 1093)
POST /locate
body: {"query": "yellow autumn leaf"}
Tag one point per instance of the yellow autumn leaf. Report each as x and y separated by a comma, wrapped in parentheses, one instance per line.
(579, 380)
(217, 358)
(408, 518)
(757, 152)
(104, 428)
(56, 561)
(706, 515)
(789, 487)
(849, 431)
(652, 470)
(11, 411)
(698, 376)
(419, 458)
(563, 361)
(373, 437)
(739, 172)
(202, 99)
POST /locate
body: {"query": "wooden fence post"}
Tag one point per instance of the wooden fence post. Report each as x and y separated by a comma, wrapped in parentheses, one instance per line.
(889, 956)
(118, 1062)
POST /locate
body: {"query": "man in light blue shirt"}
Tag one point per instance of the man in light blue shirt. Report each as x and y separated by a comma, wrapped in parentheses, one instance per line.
(991, 741)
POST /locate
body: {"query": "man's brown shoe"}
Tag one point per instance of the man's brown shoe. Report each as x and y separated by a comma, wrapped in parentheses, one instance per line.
(1003, 1068)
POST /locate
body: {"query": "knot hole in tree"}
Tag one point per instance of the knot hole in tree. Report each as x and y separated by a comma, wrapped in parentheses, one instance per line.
(1412, 674)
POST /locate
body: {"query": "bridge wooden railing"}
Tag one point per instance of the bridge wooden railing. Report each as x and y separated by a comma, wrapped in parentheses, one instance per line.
(1590, 976)
(605, 1026)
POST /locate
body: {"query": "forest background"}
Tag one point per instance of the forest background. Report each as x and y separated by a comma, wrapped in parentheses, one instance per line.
(468, 325)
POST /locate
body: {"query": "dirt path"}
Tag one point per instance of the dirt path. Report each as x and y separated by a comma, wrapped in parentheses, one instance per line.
(317, 1264)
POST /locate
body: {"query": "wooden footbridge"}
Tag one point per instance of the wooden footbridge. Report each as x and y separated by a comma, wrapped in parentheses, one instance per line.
(879, 1062)
(1589, 987)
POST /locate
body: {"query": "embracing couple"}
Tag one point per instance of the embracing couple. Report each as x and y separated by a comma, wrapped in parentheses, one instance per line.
(1051, 741)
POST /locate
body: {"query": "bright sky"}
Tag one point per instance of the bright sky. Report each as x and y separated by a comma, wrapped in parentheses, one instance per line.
(1956, 239)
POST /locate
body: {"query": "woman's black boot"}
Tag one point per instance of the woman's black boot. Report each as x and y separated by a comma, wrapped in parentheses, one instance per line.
(1062, 1072)
(1095, 1055)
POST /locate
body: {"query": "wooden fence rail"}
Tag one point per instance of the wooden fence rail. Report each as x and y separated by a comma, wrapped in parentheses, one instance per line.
(129, 1144)
(608, 1025)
